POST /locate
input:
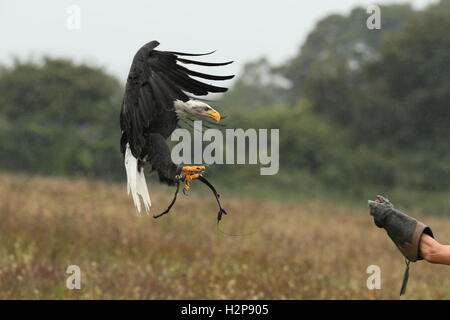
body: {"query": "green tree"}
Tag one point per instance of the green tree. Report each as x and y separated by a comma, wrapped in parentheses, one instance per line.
(411, 77)
(344, 40)
(258, 86)
(58, 117)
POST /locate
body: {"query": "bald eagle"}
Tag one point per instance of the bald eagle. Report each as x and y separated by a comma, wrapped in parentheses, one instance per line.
(156, 98)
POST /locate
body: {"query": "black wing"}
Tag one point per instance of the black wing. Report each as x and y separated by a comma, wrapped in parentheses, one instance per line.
(155, 81)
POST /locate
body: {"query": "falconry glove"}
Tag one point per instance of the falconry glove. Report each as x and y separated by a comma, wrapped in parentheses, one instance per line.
(403, 230)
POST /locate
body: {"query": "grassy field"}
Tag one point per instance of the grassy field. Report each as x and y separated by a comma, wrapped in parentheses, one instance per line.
(304, 250)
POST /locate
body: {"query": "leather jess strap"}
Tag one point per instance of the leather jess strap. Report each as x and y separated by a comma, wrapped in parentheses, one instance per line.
(405, 278)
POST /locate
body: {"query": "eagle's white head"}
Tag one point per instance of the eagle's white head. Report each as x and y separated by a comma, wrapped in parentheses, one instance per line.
(195, 108)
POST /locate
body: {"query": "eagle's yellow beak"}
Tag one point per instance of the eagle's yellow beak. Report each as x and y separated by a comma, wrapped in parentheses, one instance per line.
(213, 114)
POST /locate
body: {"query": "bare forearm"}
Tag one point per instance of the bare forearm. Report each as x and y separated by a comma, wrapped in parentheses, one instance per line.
(434, 252)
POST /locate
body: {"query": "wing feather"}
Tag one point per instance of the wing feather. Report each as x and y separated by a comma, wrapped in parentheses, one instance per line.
(162, 100)
(189, 54)
(203, 75)
(207, 64)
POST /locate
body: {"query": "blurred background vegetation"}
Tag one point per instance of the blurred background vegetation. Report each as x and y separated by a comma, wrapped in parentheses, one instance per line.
(360, 112)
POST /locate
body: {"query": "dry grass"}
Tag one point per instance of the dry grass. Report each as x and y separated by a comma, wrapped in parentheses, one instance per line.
(307, 250)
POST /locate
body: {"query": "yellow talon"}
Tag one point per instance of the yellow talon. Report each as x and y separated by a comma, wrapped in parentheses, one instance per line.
(189, 177)
(193, 169)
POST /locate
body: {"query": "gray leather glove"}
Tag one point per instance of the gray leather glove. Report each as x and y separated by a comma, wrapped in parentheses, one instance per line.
(404, 230)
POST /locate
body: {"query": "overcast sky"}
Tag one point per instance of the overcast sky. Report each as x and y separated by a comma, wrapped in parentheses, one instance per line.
(112, 31)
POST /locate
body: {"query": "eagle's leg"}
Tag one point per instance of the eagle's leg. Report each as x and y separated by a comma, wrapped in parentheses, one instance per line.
(191, 173)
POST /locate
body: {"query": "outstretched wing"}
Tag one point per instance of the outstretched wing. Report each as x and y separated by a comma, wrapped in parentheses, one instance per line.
(156, 80)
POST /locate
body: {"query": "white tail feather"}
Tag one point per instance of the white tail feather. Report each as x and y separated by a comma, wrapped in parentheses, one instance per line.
(136, 184)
